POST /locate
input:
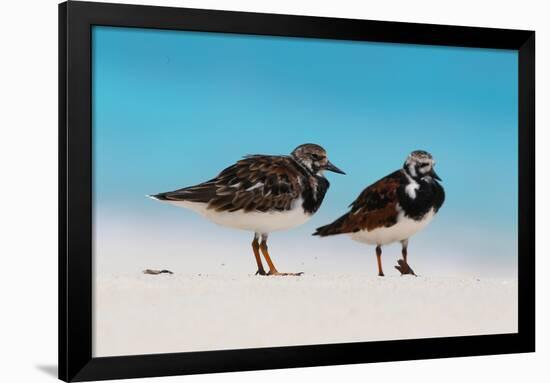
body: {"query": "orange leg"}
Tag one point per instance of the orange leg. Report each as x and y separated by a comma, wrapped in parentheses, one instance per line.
(379, 260)
(404, 250)
(402, 264)
(256, 250)
(272, 268)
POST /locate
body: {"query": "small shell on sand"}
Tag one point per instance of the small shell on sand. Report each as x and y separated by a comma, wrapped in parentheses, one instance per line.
(156, 272)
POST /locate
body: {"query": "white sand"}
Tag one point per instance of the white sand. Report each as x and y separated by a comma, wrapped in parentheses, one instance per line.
(138, 314)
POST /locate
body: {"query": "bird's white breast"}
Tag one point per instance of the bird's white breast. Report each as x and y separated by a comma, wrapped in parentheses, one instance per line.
(259, 222)
(403, 229)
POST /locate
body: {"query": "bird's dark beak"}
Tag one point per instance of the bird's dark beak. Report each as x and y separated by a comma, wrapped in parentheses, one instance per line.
(329, 166)
(434, 175)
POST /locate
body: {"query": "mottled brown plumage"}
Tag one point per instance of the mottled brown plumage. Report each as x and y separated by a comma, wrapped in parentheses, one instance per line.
(255, 183)
(374, 207)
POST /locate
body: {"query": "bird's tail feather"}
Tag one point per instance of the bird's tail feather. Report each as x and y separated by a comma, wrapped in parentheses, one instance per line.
(333, 228)
(158, 197)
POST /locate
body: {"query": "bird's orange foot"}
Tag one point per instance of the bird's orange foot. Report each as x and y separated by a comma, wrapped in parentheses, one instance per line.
(261, 272)
(404, 268)
(276, 273)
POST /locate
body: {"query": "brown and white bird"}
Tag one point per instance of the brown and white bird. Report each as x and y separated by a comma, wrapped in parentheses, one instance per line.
(261, 194)
(393, 208)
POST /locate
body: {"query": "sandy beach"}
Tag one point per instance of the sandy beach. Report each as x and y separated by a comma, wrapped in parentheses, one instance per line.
(137, 313)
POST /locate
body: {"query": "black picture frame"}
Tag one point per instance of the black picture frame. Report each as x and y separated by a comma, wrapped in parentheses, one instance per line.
(75, 191)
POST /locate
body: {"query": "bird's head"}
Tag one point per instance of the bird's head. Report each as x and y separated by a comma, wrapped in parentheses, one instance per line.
(420, 164)
(314, 158)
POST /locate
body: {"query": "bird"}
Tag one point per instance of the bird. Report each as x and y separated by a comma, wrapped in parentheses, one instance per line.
(261, 194)
(393, 208)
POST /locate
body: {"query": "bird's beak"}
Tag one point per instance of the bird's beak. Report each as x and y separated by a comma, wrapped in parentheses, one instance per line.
(434, 175)
(329, 166)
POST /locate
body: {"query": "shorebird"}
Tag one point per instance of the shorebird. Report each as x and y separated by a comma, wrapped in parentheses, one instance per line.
(393, 208)
(261, 194)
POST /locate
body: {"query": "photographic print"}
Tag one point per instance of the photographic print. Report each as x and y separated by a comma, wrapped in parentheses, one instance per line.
(262, 191)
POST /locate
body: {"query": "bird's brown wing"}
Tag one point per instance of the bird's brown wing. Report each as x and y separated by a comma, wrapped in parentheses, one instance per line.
(374, 207)
(255, 183)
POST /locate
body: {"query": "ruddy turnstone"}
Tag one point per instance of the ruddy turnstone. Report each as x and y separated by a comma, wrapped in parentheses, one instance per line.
(393, 208)
(262, 194)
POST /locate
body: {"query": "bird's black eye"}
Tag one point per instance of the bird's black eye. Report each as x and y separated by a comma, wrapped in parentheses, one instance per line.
(315, 156)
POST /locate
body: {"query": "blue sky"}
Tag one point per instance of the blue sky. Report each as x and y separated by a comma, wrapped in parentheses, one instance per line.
(173, 108)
